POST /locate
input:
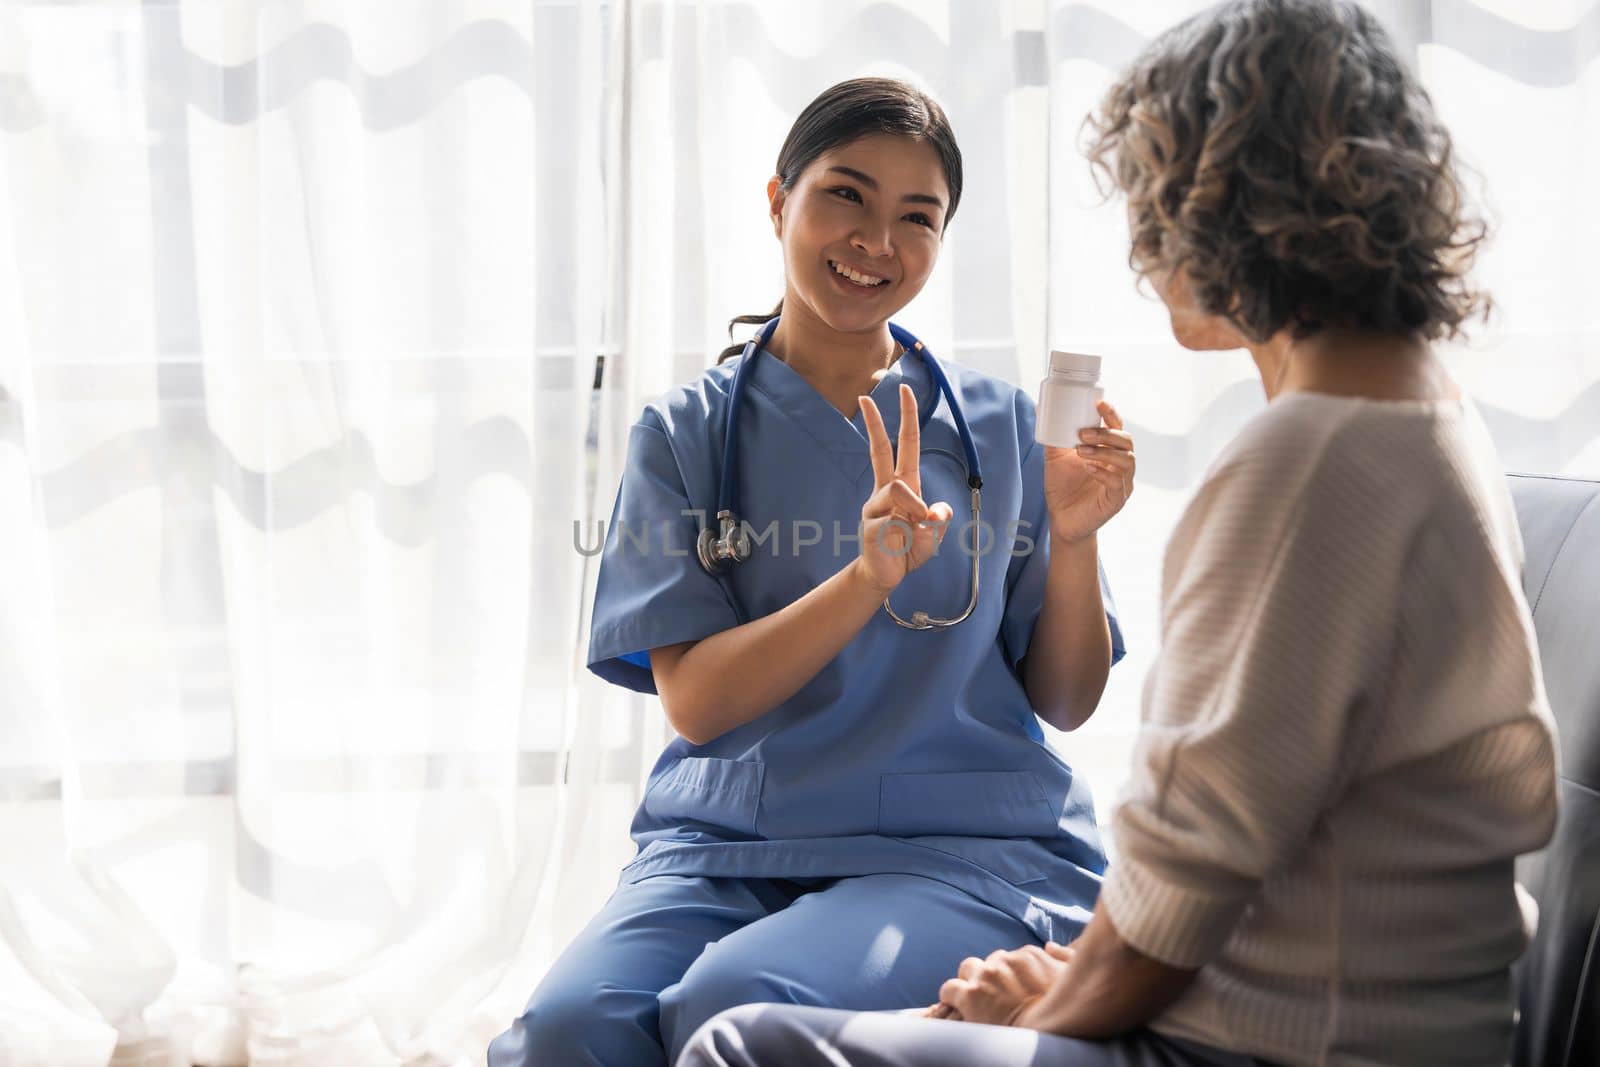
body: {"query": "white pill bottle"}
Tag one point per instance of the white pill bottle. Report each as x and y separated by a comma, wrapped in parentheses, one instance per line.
(1067, 399)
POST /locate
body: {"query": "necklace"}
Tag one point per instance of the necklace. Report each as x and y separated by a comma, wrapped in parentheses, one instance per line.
(1283, 371)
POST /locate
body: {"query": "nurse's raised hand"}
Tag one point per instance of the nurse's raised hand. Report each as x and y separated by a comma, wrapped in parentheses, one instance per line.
(899, 531)
(1085, 486)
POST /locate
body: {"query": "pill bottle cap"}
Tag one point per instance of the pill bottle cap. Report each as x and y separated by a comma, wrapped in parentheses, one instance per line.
(1082, 367)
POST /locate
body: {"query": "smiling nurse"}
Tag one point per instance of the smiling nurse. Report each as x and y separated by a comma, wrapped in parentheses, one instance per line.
(853, 806)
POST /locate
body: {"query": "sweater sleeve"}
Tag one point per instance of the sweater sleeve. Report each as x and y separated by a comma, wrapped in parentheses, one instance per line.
(1278, 605)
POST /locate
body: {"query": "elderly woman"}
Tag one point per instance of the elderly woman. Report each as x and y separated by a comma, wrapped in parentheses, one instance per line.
(1345, 740)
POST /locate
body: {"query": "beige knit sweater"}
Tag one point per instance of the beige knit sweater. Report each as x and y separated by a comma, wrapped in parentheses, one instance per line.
(1345, 743)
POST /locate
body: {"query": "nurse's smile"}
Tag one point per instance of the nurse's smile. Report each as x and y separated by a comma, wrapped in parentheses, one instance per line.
(857, 282)
(862, 277)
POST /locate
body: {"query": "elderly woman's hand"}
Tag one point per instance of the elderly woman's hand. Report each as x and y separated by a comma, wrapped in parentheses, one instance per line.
(996, 989)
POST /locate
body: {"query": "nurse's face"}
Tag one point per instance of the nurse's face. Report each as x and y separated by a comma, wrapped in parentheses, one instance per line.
(861, 229)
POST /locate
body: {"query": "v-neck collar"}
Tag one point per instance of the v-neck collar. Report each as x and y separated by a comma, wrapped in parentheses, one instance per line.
(846, 438)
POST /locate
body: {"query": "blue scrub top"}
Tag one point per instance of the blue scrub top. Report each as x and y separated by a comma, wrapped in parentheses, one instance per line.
(912, 751)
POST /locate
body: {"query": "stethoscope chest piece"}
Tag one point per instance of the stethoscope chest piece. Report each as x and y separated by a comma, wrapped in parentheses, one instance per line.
(718, 552)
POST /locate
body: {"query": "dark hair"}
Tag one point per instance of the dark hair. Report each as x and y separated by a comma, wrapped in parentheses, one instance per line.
(847, 112)
(1282, 155)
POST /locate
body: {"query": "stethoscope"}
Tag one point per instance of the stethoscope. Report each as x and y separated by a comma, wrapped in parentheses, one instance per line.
(718, 551)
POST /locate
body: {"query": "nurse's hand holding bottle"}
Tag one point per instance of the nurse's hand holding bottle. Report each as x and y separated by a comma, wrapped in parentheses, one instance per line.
(899, 531)
(1085, 486)
(1070, 653)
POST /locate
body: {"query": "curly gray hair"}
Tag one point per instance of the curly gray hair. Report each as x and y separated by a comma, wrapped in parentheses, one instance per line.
(1282, 156)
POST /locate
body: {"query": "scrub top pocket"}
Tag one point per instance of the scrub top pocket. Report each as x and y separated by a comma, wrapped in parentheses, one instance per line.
(721, 792)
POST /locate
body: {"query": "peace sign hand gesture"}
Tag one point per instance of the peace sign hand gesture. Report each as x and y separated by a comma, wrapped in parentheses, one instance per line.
(899, 532)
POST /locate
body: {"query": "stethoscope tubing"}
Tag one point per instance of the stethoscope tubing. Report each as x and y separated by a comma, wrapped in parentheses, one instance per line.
(727, 544)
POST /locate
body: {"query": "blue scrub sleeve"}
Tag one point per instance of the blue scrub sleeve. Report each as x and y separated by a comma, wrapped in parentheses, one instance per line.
(651, 590)
(1025, 578)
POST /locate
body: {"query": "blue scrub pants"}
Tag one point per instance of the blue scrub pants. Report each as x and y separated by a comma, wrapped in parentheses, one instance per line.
(666, 954)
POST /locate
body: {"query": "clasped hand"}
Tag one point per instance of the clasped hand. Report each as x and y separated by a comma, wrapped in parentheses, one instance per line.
(999, 988)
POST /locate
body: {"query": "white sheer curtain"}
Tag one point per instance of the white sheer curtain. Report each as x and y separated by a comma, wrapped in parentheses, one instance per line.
(300, 308)
(300, 305)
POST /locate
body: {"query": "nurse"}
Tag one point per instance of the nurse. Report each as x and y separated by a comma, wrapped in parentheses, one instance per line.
(852, 807)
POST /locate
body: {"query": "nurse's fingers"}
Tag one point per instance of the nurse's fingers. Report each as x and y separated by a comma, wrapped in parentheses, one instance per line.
(1126, 462)
(940, 516)
(1119, 483)
(1106, 437)
(966, 972)
(1109, 413)
(878, 442)
(1106, 474)
(908, 464)
(896, 498)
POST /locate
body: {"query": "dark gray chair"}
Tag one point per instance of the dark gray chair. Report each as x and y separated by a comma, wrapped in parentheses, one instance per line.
(1558, 980)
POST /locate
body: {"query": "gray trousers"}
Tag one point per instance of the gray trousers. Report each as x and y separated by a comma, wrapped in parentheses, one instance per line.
(788, 1035)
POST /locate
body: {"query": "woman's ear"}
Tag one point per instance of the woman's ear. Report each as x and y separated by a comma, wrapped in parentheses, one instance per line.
(776, 195)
